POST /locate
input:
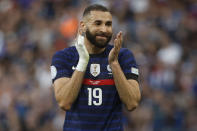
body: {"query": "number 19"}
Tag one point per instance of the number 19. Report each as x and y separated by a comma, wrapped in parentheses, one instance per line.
(92, 93)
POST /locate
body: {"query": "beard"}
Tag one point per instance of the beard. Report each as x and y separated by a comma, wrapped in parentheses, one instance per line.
(98, 43)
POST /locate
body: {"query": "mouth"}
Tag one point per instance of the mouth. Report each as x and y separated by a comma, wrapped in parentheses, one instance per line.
(101, 37)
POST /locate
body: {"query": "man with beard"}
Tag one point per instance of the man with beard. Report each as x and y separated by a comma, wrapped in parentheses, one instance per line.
(92, 79)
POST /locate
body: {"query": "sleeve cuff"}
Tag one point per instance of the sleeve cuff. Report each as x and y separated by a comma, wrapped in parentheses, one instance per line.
(132, 76)
(53, 80)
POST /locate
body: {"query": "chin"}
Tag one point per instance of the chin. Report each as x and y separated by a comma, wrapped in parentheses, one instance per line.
(101, 45)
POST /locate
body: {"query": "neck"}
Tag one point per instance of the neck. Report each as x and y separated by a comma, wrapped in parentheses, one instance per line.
(92, 49)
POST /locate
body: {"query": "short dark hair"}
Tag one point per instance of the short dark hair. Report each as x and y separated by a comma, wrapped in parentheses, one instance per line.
(94, 7)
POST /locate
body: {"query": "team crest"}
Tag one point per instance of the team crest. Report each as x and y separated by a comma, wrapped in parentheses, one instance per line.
(95, 69)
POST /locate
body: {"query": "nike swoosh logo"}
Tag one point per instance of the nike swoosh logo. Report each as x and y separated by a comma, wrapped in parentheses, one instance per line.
(74, 68)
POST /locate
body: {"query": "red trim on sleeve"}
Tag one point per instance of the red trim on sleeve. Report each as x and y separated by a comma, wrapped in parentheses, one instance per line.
(98, 82)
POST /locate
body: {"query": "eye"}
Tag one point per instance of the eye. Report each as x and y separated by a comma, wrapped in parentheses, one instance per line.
(98, 22)
(109, 23)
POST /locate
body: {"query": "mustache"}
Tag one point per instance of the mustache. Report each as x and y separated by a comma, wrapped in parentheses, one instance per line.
(103, 34)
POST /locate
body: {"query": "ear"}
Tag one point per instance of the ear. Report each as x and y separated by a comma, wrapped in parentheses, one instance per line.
(82, 27)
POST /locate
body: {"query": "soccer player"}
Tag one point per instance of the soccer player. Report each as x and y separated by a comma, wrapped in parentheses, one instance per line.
(92, 79)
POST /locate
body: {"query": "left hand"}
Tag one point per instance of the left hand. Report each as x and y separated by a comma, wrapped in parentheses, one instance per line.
(113, 55)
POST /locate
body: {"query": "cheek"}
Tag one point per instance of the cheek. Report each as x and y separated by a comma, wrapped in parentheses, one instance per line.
(92, 32)
(109, 30)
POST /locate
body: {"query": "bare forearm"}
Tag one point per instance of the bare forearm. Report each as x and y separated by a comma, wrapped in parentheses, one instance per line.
(67, 89)
(128, 90)
(67, 92)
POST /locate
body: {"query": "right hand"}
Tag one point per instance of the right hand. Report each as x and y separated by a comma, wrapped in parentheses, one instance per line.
(83, 54)
(81, 48)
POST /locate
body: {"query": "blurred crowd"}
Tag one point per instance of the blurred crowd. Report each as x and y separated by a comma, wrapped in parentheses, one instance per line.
(162, 34)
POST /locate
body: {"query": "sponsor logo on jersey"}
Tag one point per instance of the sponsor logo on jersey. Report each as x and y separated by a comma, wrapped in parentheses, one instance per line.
(134, 70)
(53, 72)
(94, 82)
(95, 69)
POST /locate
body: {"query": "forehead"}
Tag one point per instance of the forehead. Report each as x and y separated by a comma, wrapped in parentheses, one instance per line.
(100, 15)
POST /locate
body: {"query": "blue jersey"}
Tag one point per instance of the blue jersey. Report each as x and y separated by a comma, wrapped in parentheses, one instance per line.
(98, 106)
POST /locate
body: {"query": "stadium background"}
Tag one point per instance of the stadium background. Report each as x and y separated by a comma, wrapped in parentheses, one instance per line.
(161, 33)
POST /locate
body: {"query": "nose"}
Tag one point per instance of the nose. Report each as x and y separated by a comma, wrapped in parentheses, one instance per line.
(103, 28)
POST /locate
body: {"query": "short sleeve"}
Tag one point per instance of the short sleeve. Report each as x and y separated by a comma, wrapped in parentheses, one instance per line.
(128, 64)
(60, 66)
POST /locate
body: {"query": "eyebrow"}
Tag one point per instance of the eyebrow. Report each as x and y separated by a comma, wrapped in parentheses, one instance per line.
(98, 21)
(108, 22)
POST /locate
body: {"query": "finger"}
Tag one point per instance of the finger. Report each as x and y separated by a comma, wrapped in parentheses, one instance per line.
(119, 34)
(115, 45)
(80, 40)
(120, 39)
(79, 33)
(76, 42)
(118, 44)
(76, 39)
(117, 38)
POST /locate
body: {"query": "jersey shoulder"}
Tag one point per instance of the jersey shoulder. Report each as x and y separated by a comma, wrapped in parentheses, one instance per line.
(68, 53)
(62, 62)
(125, 52)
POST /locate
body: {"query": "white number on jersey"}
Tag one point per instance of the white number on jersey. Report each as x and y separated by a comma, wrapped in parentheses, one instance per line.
(94, 93)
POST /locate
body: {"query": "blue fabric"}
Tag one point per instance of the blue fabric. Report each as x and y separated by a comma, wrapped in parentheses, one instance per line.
(85, 117)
